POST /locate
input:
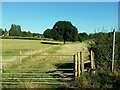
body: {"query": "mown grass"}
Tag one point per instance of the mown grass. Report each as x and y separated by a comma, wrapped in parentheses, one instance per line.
(37, 61)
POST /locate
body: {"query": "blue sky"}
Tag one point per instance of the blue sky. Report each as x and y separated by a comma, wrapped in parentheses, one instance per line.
(38, 16)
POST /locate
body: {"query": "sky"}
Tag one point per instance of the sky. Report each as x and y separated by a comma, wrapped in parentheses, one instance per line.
(36, 17)
(59, 0)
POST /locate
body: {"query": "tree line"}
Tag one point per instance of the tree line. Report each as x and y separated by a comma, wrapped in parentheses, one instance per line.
(62, 31)
(15, 30)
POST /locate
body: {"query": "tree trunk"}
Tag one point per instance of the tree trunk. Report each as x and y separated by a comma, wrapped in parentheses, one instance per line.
(64, 41)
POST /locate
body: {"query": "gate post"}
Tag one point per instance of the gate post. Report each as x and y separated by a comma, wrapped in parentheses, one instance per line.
(92, 62)
(20, 57)
(82, 62)
(75, 68)
(78, 61)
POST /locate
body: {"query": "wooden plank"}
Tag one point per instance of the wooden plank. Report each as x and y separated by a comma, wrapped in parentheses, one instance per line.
(82, 62)
(20, 57)
(41, 69)
(75, 61)
(35, 73)
(37, 78)
(15, 83)
(78, 61)
(92, 62)
(37, 55)
(87, 61)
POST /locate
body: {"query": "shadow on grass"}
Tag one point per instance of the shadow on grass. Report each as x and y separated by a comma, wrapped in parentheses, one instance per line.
(52, 43)
(62, 71)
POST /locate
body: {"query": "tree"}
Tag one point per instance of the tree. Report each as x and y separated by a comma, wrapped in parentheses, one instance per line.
(1, 32)
(26, 34)
(48, 33)
(64, 30)
(37, 35)
(6, 33)
(15, 30)
(82, 36)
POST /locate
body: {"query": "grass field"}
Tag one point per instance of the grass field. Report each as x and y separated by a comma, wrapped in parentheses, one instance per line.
(31, 51)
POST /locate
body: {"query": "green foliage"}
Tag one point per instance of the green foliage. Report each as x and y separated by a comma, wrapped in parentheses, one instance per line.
(1, 32)
(102, 79)
(26, 38)
(103, 49)
(26, 34)
(48, 33)
(15, 30)
(64, 30)
(6, 33)
(82, 36)
(117, 52)
(103, 45)
(37, 35)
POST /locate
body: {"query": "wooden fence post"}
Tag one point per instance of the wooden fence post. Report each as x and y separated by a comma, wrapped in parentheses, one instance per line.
(20, 57)
(92, 62)
(78, 61)
(75, 62)
(82, 62)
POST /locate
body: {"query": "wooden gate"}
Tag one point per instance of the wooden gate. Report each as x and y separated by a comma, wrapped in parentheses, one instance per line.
(42, 69)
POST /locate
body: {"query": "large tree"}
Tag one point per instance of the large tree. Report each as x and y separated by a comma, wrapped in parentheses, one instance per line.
(15, 30)
(64, 30)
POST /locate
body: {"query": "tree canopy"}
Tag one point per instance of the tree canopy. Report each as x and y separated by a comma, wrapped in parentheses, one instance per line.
(1, 32)
(64, 30)
(15, 30)
(48, 33)
(82, 36)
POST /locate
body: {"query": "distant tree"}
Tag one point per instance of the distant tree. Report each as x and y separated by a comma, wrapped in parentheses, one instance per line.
(37, 35)
(26, 34)
(64, 30)
(29, 34)
(82, 36)
(6, 33)
(48, 33)
(1, 31)
(15, 30)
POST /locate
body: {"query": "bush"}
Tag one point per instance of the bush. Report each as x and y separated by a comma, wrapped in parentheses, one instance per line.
(103, 50)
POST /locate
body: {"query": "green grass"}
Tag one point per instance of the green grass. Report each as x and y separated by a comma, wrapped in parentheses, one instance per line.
(15, 46)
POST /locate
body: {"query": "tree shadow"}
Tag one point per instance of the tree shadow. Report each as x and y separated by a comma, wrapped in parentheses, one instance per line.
(63, 70)
(52, 43)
